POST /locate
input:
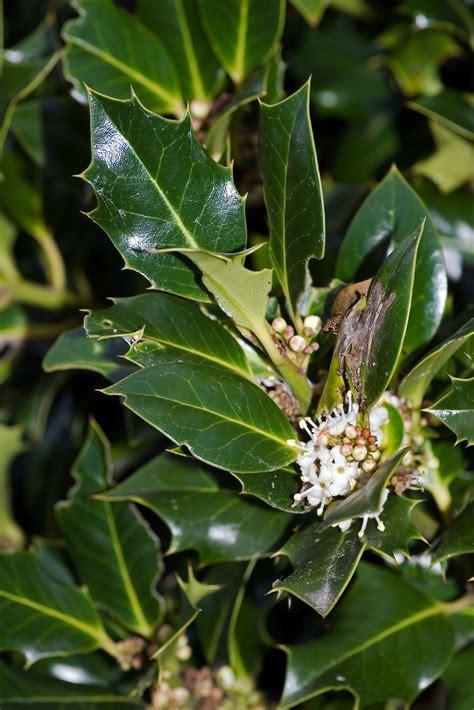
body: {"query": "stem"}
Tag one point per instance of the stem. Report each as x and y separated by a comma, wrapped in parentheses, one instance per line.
(53, 258)
(40, 296)
(107, 644)
(11, 535)
(459, 605)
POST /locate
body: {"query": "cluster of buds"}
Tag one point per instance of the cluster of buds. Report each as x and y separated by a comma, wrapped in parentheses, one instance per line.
(359, 444)
(298, 344)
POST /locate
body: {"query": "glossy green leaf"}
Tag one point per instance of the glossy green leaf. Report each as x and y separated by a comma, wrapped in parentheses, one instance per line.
(169, 194)
(110, 51)
(369, 499)
(323, 561)
(293, 193)
(459, 680)
(25, 689)
(73, 350)
(276, 488)
(171, 323)
(312, 10)
(452, 15)
(114, 551)
(27, 127)
(399, 527)
(452, 215)
(41, 617)
(221, 418)
(219, 524)
(458, 538)
(450, 109)
(178, 26)
(243, 33)
(450, 167)
(456, 409)
(371, 335)
(391, 212)
(416, 383)
(387, 640)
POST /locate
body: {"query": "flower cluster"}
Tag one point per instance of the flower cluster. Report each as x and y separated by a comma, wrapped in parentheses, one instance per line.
(339, 456)
(298, 344)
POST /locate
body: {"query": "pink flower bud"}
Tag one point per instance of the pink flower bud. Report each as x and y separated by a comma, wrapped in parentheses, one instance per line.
(346, 449)
(297, 344)
(350, 431)
(369, 465)
(288, 332)
(279, 325)
(359, 452)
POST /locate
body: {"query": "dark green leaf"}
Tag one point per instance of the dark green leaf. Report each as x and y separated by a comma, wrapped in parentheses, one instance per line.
(459, 680)
(221, 418)
(456, 409)
(387, 640)
(177, 24)
(40, 617)
(391, 212)
(169, 323)
(157, 188)
(27, 126)
(219, 524)
(454, 15)
(450, 109)
(369, 499)
(110, 50)
(243, 33)
(293, 193)
(415, 384)
(323, 561)
(312, 10)
(276, 488)
(73, 350)
(399, 528)
(459, 538)
(115, 552)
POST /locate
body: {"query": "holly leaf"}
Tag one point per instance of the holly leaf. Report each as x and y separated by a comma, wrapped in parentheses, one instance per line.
(456, 409)
(415, 384)
(218, 523)
(40, 617)
(172, 324)
(391, 212)
(407, 632)
(158, 189)
(458, 538)
(369, 499)
(111, 50)
(243, 35)
(73, 350)
(450, 109)
(459, 680)
(113, 549)
(399, 528)
(293, 193)
(276, 488)
(324, 561)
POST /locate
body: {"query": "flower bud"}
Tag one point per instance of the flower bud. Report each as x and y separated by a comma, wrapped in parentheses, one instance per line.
(359, 452)
(297, 344)
(346, 449)
(366, 433)
(279, 325)
(361, 440)
(288, 332)
(314, 323)
(369, 465)
(376, 455)
(350, 431)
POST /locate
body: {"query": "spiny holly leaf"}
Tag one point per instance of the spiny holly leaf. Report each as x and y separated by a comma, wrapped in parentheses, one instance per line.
(115, 552)
(415, 384)
(323, 560)
(276, 488)
(33, 689)
(172, 324)
(293, 193)
(218, 523)
(221, 418)
(40, 617)
(177, 24)
(387, 640)
(456, 409)
(399, 528)
(158, 189)
(369, 499)
(390, 212)
(458, 538)
(110, 50)
(243, 33)
(73, 350)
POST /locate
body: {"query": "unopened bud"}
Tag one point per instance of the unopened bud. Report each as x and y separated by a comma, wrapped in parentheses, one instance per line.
(366, 433)
(369, 465)
(361, 440)
(314, 323)
(279, 325)
(346, 449)
(376, 455)
(310, 349)
(297, 344)
(359, 452)
(288, 332)
(350, 431)
(323, 439)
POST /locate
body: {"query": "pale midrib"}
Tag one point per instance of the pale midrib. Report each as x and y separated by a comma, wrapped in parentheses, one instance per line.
(125, 69)
(241, 40)
(284, 271)
(199, 89)
(416, 618)
(127, 582)
(177, 219)
(239, 422)
(48, 611)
